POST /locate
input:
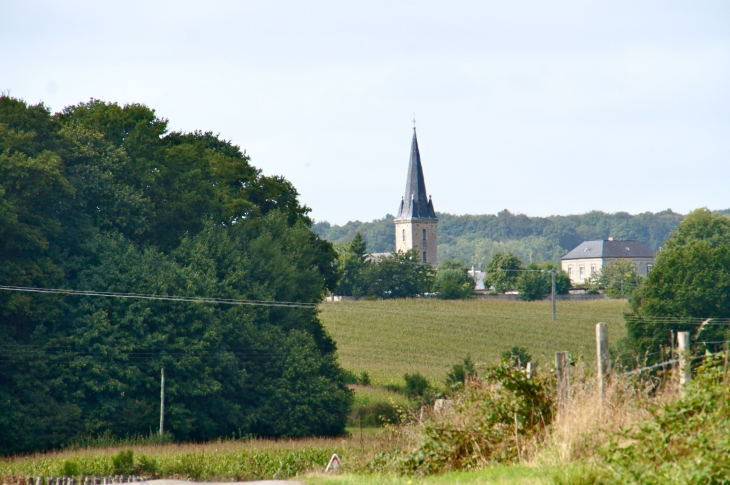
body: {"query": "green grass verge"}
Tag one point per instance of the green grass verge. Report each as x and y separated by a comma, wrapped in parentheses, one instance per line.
(392, 337)
(502, 475)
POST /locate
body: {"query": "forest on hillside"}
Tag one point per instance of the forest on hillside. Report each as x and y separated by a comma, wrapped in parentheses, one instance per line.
(103, 198)
(473, 239)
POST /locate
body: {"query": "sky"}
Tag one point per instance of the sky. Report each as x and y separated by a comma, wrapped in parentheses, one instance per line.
(539, 107)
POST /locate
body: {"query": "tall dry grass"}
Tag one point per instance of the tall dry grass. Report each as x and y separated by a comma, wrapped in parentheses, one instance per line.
(591, 421)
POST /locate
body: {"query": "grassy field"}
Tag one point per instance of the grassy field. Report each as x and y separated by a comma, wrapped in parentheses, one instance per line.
(391, 337)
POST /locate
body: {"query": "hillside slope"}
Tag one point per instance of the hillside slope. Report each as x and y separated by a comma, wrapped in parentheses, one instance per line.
(388, 338)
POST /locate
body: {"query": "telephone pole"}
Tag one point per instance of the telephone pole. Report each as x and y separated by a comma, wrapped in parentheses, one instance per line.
(162, 401)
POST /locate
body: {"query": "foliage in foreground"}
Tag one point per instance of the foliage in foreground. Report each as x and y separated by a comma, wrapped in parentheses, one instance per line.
(492, 419)
(687, 441)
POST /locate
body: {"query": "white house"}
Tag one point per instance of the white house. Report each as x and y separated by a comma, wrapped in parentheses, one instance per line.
(590, 256)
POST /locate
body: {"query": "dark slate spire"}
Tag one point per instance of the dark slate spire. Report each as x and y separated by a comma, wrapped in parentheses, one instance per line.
(416, 204)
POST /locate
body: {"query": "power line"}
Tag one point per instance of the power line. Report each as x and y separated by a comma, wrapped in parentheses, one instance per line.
(190, 299)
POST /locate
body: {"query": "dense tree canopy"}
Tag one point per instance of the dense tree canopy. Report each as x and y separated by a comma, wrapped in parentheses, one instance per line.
(619, 279)
(400, 275)
(689, 283)
(453, 281)
(102, 197)
(502, 272)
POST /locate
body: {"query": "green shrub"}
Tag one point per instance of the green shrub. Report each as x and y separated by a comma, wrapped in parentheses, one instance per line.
(363, 379)
(70, 468)
(517, 356)
(533, 285)
(453, 281)
(482, 428)
(349, 377)
(147, 466)
(417, 387)
(123, 462)
(461, 373)
(687, 440)
(375, 415)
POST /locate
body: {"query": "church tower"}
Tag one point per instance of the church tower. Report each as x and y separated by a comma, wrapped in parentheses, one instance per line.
(415, 224)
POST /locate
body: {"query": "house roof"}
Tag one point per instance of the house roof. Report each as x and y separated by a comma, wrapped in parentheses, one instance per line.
(415, 203)
(610, 249)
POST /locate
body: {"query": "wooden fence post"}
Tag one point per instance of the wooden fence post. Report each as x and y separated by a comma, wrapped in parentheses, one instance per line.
(562, 371)
(685, 369)
(603, 357)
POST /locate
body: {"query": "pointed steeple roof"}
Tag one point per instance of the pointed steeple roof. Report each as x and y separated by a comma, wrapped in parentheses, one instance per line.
(416, 204)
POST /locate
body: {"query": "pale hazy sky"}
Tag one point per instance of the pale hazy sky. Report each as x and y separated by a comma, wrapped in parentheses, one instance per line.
(536, 106)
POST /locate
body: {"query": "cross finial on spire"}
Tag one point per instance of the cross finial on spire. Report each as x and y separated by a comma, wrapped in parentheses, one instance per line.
(414, 121)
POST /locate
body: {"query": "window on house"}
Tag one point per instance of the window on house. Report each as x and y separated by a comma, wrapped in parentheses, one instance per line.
(582, 270)
(649, 267)
(423, 234)
(593, 269)
(570, 271)
(423, 257)
(404, 235)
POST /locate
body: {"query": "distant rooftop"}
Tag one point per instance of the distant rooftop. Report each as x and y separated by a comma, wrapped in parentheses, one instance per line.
(610, 249)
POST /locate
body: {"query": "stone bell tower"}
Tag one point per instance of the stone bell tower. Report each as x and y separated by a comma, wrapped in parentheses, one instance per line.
(415, 224)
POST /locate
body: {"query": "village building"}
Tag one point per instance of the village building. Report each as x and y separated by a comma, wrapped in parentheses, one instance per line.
(416, 222)
(590, 256)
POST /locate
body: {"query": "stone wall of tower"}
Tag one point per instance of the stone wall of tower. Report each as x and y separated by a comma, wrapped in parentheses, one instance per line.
(409, 234)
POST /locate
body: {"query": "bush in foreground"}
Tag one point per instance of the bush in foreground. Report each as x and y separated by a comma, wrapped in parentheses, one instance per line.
(491, 423)
(687, 440)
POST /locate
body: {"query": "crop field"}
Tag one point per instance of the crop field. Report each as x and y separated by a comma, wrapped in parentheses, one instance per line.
(301, 460)
(214, 461)
(389, 338)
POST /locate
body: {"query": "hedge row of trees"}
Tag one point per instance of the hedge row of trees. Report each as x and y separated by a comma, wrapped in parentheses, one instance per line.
(102, 197)
(398, 276)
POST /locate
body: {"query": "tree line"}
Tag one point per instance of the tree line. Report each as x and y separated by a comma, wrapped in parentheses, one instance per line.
(399, 275)
(474, 239)
(103, 197)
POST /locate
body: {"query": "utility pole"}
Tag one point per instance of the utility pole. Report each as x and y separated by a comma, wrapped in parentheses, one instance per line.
(162, 401)
(555, 313)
